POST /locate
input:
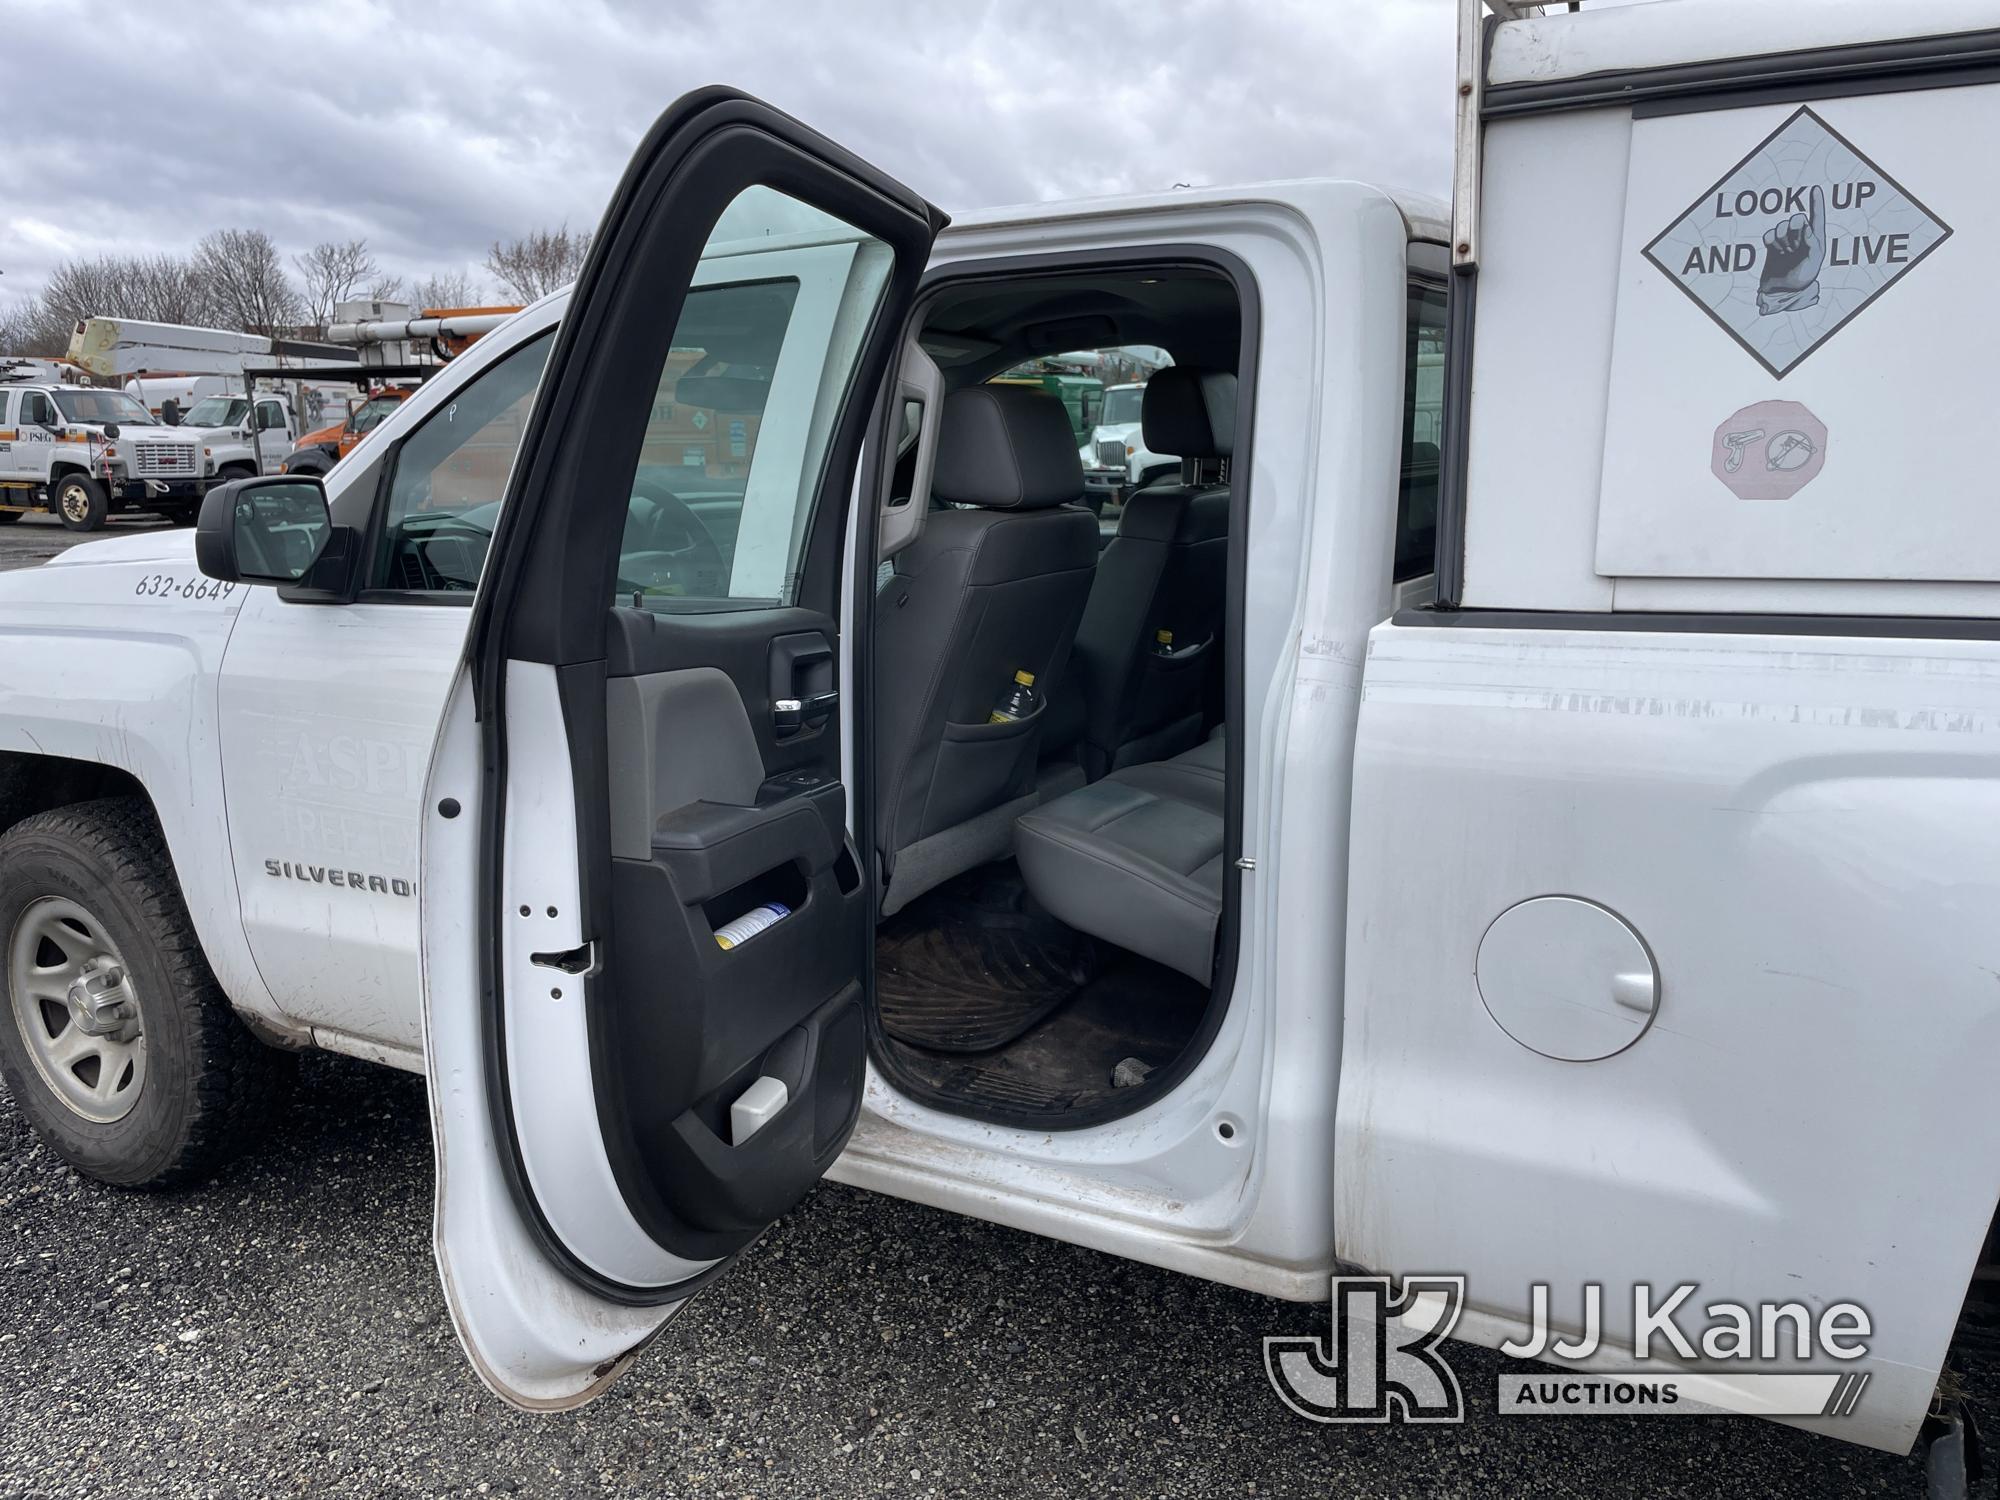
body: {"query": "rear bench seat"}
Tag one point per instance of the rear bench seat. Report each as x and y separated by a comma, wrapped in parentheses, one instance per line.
(1136, 859)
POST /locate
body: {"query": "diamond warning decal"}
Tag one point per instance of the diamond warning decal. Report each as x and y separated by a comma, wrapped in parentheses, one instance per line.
(1795, 241)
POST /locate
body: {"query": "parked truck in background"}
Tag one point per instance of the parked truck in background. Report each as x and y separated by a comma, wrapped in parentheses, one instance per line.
(317, 451)
(1115, 457)
(1596, 845)
(83, 452)
(391, 339)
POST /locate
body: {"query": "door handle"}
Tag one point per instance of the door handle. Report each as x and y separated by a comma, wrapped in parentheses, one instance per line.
(791, 714)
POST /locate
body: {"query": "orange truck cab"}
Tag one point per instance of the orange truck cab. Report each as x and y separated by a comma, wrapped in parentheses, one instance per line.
(318, 451)
(321, 449)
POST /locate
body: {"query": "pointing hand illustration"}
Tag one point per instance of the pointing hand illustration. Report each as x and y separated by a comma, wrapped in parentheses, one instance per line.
(1794, 251)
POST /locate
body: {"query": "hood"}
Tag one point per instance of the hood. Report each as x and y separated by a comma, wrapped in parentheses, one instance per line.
(173, 547)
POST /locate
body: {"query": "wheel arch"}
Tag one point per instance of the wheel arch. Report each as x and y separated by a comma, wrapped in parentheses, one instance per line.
(31, 783)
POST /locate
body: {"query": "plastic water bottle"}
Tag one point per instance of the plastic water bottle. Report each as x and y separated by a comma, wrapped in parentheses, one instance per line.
(752, 922)
(1021, 702)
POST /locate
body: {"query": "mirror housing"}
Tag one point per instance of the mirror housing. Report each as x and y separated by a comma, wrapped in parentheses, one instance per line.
(265, 529)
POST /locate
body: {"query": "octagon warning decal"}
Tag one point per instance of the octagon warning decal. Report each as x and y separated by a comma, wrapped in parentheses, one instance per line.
(1795, 241)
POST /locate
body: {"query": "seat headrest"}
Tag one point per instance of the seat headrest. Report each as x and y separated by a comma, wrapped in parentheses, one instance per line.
(1005, 447)
(1189, 412)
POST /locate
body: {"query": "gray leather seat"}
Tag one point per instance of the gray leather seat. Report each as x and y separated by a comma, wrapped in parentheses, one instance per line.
(982, 593)
(1136, 858)
(1166, 570)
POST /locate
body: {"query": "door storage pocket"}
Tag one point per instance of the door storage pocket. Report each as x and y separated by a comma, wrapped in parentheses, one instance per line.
(980, 766)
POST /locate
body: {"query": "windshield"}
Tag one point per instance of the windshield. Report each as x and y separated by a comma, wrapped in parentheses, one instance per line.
(374, 411)
(1122, 405)
(216, 411)
(102, 406)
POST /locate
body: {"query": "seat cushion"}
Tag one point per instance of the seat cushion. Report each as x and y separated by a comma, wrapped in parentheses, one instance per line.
(1136, 859)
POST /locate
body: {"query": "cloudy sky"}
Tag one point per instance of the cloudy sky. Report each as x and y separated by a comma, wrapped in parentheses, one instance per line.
(433, 128)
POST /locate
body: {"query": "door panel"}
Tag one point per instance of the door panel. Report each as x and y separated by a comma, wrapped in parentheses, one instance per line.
(741, 645)
(324, 769)
(653, 655)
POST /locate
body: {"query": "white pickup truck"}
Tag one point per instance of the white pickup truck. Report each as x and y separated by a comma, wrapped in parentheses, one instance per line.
(1544, 839)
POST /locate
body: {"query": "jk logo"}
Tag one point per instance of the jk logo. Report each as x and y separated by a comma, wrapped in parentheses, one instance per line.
(1381, 1363)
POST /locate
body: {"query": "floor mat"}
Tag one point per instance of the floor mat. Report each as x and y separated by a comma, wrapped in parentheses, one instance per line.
(1134, 1011)
(975, 963)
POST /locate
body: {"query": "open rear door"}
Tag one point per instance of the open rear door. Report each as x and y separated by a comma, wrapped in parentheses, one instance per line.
(645, 926)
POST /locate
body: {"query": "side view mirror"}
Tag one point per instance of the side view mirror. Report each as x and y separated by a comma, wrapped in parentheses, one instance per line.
(263, 530)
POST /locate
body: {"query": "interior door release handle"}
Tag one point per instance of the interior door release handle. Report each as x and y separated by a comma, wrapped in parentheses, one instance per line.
(796, 713)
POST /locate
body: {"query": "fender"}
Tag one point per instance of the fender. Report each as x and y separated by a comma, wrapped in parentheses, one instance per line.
(109, 655)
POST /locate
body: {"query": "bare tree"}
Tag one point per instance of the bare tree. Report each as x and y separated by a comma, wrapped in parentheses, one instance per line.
(28, 329)
(445, 289)
(330, 272)
(248, 282)
(159, 288)
(539, 262)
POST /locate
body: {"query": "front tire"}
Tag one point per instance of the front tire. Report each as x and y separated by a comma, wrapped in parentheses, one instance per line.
(115, 1040)
(80, 501)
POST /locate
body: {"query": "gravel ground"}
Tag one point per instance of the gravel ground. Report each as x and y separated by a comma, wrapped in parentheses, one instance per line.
(281, 1330)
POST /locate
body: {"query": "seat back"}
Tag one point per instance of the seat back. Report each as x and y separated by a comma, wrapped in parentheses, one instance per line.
(1166, 571)
(985, 591)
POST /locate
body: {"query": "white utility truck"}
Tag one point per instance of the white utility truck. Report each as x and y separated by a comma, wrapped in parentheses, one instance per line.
(1116, 459)
(83, 452)
(1537, 831)
(233, 394)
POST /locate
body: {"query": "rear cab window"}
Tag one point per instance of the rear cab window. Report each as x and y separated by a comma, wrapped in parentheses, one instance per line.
(1423, 432)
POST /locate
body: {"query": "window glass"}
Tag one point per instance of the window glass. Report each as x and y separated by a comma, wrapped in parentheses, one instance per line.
(6, 400)
(103, 406)
(269, 415)
(215, 411)
(1423, 434)
(450, 476)
(37, 408)
(757, 369)
(371, 412)
(1101, 391)
(1123, 404)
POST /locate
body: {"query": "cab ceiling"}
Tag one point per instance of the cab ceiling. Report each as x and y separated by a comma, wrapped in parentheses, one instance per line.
(980, 328)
